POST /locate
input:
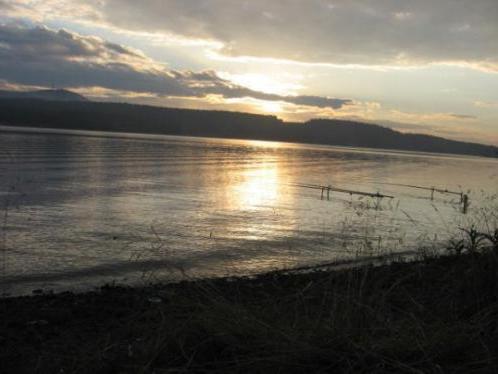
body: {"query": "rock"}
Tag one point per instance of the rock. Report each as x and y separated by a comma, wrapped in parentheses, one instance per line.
(39, 322)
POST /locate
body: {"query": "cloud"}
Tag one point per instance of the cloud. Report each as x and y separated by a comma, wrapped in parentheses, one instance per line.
(463, 116)
(226, 89)
(365, 32)
(318, 101)
(5, 6)
(43, 57)
(445, 130)
(450, 119)
(350, 32)
(486, 104)
(41, 10)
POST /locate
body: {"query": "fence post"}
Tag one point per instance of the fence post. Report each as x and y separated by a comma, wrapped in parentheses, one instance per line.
(465, 204)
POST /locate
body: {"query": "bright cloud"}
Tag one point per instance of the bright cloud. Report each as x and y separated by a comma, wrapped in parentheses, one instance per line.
(384, 32)
(354, 32)
(430, 66)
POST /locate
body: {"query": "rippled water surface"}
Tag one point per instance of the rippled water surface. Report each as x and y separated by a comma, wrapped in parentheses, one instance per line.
(86, 208)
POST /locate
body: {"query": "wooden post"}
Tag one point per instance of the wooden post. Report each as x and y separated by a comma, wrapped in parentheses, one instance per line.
(321, 198)
(465, 204)
(328, 193)
(432, 193)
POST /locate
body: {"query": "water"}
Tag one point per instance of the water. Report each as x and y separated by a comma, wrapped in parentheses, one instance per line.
(83, 208)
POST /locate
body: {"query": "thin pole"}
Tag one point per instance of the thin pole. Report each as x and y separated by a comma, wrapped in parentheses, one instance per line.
(440, 190)
(343, 190)
(465, 204)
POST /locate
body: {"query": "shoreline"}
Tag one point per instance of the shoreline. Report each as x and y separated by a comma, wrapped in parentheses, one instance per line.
(438, 314)
(38, 288)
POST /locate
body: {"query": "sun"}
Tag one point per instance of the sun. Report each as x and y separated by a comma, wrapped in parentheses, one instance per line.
(271, 106)
(261, 82)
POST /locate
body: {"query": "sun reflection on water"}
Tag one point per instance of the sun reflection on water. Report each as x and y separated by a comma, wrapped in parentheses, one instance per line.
(259, 185)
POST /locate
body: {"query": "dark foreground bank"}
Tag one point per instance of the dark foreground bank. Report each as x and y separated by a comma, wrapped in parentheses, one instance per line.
(436, 315)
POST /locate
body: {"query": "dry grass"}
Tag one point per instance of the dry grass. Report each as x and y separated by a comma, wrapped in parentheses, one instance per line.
(436, 315)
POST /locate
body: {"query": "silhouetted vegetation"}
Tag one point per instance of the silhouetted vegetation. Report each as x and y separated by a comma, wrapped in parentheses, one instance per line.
(154, 120)
(434, 315)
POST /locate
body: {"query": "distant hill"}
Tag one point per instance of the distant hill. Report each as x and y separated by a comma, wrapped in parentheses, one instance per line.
(87, 115)
(54, 95)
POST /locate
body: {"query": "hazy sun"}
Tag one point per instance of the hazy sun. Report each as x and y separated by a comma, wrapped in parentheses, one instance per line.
(268, 83)
(270, 106)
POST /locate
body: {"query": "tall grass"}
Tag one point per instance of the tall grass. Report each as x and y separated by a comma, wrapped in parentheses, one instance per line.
(437, 315)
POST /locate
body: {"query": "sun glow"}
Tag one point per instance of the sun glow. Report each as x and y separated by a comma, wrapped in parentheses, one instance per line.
(285, 84)
(271, 106)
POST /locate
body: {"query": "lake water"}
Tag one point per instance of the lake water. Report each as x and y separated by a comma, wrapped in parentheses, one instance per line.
(83, 208)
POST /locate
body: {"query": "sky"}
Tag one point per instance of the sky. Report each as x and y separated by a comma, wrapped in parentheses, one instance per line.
(425, 66)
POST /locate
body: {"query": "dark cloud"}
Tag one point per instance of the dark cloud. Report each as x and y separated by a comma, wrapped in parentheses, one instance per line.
(320, 101)
(225, 88)
(121, 50)
(43, 57)
(344, 32)
(463, 116)
(48, 44)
